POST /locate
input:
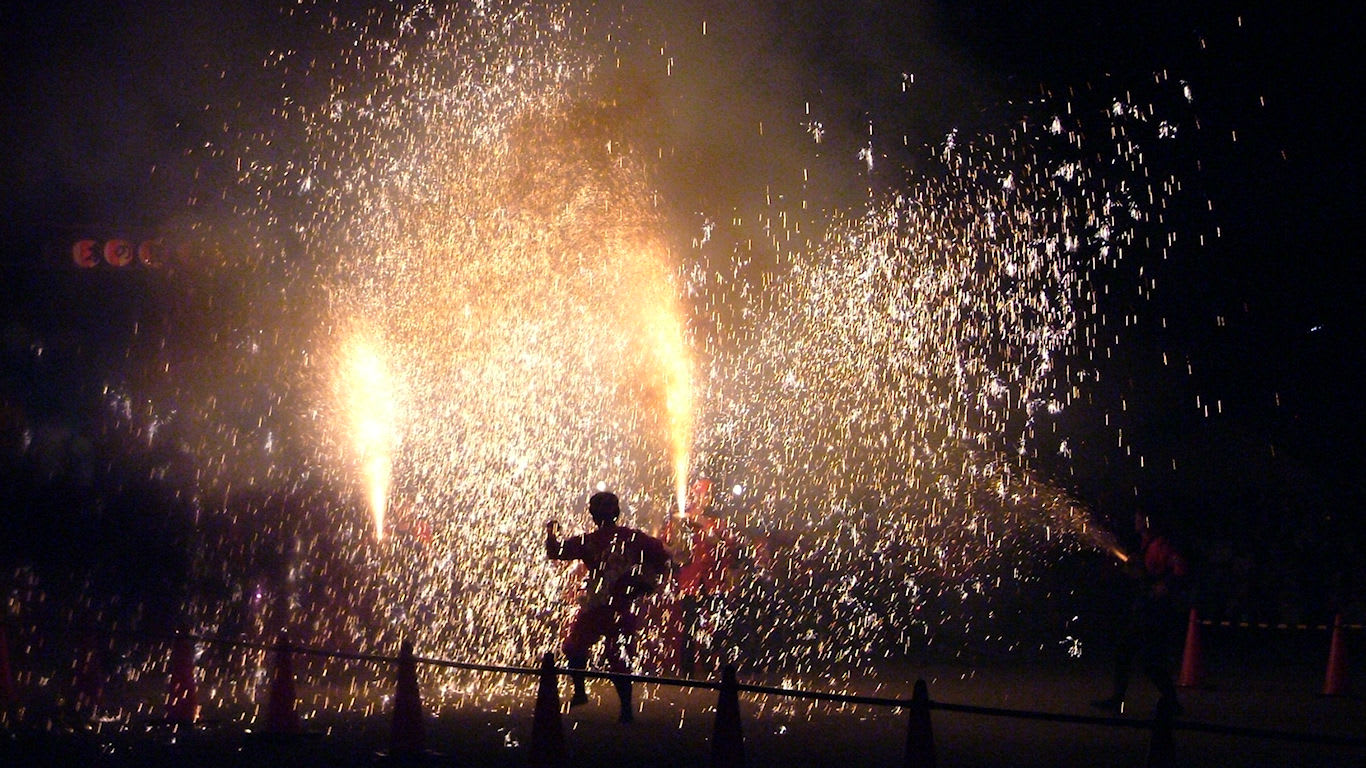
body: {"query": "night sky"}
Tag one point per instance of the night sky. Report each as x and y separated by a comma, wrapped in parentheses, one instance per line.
(103, 100)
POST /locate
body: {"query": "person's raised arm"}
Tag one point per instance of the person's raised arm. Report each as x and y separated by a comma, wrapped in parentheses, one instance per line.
(658, 557)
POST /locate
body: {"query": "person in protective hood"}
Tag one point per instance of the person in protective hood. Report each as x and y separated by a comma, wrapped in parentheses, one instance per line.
(623, 564)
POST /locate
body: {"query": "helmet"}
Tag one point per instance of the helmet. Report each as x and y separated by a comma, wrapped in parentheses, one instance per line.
(604, 507)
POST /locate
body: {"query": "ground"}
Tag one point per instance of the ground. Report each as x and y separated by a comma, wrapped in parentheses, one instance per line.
(1266, 679)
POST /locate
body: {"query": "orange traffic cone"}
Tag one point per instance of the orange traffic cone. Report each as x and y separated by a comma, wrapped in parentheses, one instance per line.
(728, 740)
(547, 730)
(1192, 667)
(281, 716)
(1335, 680)
(1161, 746)
(919, 734)
(182, 700)
(407, 736)
(7, 691)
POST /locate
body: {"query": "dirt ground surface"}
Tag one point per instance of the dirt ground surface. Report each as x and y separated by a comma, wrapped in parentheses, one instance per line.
(1248, 684)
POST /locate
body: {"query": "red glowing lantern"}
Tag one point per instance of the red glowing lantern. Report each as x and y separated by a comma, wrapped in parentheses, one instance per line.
(152, 253)
(85, 253)
(118, 253)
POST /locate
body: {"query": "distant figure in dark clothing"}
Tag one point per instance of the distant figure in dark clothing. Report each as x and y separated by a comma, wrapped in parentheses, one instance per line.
(1154, 620)
(623, 565)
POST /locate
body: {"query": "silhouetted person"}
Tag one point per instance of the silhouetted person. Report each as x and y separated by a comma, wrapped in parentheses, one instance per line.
(1154, 620)
(705, 555)
(623, 565)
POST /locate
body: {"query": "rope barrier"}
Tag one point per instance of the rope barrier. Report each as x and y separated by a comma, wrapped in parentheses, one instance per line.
(767, 690)
(1270, 625)
(859, 699)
